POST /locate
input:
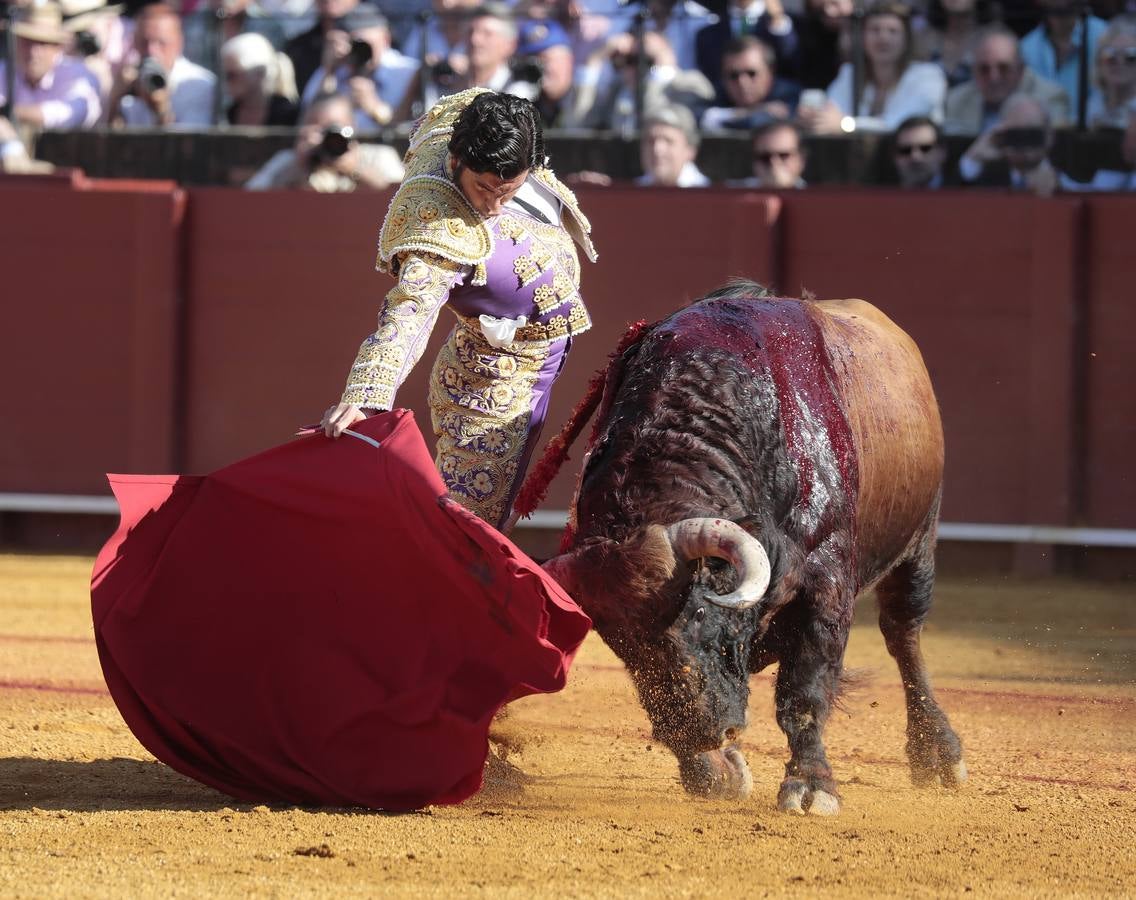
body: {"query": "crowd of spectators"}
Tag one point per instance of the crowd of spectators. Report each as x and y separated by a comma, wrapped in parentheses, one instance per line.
(669, 71)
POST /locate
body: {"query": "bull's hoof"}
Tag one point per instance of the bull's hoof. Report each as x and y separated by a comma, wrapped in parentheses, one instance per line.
(717, 775)
(938, 760)
(949, 774)
(798, 796)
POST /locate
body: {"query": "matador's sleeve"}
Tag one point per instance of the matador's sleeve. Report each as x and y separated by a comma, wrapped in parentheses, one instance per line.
(405, 322)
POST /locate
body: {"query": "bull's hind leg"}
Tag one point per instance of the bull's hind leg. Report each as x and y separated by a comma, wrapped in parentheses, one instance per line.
(808, 680)
(933, 748)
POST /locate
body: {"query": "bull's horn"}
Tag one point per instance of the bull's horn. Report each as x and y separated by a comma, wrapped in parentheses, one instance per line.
(692, 538)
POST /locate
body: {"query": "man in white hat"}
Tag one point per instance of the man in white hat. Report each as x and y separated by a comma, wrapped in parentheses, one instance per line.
(51, 90)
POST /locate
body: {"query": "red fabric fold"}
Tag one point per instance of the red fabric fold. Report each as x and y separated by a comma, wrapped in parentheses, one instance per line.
(319, 624)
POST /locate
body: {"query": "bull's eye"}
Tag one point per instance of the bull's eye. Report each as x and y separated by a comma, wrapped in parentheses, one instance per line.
(700, 614)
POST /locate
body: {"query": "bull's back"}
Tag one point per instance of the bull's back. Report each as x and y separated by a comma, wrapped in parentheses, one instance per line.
(894, 419)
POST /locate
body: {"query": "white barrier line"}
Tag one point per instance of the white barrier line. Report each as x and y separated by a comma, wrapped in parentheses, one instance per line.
(558, 518)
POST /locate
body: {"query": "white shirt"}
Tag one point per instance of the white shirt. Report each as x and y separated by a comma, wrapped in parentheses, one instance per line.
(690, 176)
(191, 97)
(921, 91)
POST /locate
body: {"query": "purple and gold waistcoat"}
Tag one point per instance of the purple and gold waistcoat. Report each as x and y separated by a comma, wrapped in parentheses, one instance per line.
(534, 271)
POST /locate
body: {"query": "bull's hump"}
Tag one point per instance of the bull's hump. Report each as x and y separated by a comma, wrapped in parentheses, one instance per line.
(781, 339)
(739, 327)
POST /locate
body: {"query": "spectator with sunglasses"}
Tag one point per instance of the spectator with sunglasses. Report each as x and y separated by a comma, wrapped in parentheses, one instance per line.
(778, 158)
(999, 72)
(919, 155)
(1113, 103)
(756, 96)
(1014, 152)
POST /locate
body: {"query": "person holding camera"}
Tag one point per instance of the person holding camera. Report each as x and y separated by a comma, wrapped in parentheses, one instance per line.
(1014, 152)
(327, 157)
(482, 226)
(359, 62)
(490, 43)
(609, 78)
(158, 85)
(544, 56)
(50, 90)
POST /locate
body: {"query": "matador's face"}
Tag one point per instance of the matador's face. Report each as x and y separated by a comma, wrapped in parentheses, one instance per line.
(486, 192)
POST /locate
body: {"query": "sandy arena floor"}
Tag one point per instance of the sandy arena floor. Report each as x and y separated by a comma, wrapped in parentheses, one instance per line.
(1038, 678)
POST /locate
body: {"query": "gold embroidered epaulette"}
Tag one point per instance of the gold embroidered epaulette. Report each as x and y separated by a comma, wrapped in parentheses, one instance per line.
(577, 224)
(439, 120)
(428, 214)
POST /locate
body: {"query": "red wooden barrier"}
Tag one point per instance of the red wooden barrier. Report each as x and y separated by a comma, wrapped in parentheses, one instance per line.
(89, 290)
(1007, 296)
(1109, 355)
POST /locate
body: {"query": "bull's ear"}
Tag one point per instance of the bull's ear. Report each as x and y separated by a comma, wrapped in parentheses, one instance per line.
(612, 579)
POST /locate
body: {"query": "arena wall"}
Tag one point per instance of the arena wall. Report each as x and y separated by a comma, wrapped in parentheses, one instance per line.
(151, 330)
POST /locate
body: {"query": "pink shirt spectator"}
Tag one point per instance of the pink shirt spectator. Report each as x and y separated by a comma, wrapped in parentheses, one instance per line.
(67, 95)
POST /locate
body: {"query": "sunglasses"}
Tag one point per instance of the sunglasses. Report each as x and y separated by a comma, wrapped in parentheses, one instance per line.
(1116, 54)
(738, 74)
(909, 149)
(766, 157)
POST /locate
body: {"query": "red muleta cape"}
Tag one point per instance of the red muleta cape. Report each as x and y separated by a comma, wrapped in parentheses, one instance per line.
(319, 624)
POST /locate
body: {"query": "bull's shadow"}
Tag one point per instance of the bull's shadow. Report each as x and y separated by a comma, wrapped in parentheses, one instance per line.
(102, 784)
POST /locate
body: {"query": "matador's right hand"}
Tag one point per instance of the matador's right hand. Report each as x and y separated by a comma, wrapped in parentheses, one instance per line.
(339, 418)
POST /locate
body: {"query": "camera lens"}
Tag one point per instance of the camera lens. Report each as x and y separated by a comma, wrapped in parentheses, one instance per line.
(360, 55)
(151, 75)
(336, 141)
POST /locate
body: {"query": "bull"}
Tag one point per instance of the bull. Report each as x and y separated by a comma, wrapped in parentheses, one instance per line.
(756, 464)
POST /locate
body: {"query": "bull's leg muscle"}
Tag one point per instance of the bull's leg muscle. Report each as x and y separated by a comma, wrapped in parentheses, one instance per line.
(904, 595)
(808, 679)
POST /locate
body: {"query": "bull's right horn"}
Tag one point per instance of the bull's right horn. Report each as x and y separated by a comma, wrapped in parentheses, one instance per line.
(692, 538)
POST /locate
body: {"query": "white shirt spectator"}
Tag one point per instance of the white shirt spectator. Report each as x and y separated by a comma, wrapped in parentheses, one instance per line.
(690, 176)
(67, 96)
(921, 91)
(191, 98)
(282, 171)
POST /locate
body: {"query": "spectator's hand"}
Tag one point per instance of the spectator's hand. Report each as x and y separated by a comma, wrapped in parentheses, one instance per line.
(158, 101)
(616, 45)
(339, 418)
(985, 148)
(775, 109)
(820, 119)
(336, 48)
(776, 12)
(28, 115)
(366, 97)
(598, 179)
(1042, 181)
(347, 163)
(659, 50)
(307, 139)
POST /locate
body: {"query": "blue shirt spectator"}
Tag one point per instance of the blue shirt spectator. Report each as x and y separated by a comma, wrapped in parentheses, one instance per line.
(1053, 48)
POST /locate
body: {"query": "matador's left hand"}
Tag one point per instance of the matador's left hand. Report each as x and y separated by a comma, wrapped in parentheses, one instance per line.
(339, 418)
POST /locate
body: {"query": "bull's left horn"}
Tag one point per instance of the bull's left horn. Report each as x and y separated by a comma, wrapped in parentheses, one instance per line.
(692, 538)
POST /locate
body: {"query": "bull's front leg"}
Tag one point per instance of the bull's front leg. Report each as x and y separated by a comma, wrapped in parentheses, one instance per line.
(808, 681)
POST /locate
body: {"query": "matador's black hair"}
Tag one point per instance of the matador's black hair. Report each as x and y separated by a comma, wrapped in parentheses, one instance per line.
(500, 134)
